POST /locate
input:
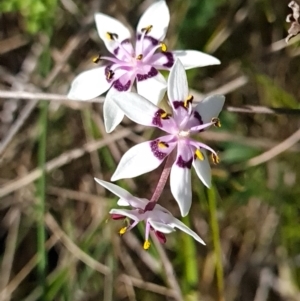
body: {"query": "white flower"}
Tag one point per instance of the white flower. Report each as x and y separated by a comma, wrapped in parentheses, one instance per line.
(129, 63)
(183, 122)
(156, 218)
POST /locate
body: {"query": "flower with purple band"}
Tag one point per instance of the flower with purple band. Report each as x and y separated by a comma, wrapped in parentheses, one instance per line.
(183, 122)
(157, 219)
(130, 63)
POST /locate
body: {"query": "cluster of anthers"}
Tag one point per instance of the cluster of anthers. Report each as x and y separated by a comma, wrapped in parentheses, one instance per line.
(181, 121)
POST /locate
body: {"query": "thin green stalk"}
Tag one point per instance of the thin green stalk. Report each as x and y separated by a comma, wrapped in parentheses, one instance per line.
(216, 241)
(41, 231)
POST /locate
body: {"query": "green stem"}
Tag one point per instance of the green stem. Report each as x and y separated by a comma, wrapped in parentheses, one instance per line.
(41, 231)
(216, 241)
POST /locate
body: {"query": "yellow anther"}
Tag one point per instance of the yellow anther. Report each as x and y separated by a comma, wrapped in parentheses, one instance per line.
(162, 144)
(147, 245)
(188, 100)
(199, 155)
(216, 122)
(97, 59)
(139, 57)
(122, 230)
(111, 36)
(164, 115)
(109, 74)
(215, 158)
(163, 47)
(147, 29)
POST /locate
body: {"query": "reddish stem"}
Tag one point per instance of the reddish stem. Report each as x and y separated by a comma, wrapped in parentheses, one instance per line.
(161, 183)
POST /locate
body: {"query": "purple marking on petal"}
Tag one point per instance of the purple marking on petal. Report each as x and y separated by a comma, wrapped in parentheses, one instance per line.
(151, 39)
(157, 118)
(155, 150)
(161, 237)
(150, 206)
(170, 59)
(116, 51)
(184, 164)
(198, 116)
(178, 103)
(151, 73)
(120, 87)
(116, 216)
(126, 41)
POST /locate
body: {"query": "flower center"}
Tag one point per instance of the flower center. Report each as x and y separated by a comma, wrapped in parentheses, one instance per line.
(183, 134)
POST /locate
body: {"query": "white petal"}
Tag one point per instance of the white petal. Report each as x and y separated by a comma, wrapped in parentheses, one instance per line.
(136, 107)
(153, 88)
(178, 224)
(115, 189)
(177, 83)
(89, 84)
(126, 198)
(180, 183)
(107, 24)
(112, 114)
(161, 227)
(210, 107)
(136, 161)
(192, 58)
(128, 213)
(202, 169)
(158, 16)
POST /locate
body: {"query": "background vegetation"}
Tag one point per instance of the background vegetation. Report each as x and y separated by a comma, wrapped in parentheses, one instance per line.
(56, 239)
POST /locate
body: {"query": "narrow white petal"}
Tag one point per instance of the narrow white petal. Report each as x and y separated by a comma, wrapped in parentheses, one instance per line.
(136, 161)
(192, 58)
(125, 212)
(106, 24)
(180, 225)
(202, 169)
(161, 227)
(89, 84)
(180, 182)
(177, 83)
(112, 114)
(153, 88)
(210, 107)
(158, 16)
(136, 107)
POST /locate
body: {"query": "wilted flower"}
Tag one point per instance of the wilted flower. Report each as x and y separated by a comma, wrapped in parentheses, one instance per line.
(131, 63)
(157, 219)
(183, 122)
(294, 19)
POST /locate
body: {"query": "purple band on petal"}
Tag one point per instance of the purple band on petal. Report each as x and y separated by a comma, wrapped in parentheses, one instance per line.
(184, 164)
(155, 150)
(178, 103)
(152, 40)
(151, 73)
(117, 216)
(161, 237)
(157, 118)
(170, 59)
(116, 51)
(198, 116)
(120, 87)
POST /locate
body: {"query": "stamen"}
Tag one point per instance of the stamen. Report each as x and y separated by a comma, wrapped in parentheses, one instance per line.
(199, 154)
(111, 36)
(188, 101)
(163, 47)
(147, 29)
(139, 57)
(122, 230)
(110, 74)
(164, 115)
(97, 59)
(216, 122)
(147, 245)
(162, 144)
(215, 158)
